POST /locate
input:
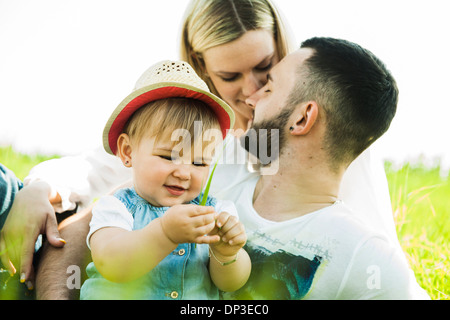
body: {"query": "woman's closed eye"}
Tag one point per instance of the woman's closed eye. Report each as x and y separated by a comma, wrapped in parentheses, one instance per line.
(230, 78)
(264, 68)
(234, 77)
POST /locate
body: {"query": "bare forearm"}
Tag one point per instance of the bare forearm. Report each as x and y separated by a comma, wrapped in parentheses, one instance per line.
(53, 270)
(230, 277)
(122, 256)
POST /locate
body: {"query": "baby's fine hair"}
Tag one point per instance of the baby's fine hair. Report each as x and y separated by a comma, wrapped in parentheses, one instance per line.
(159, 119)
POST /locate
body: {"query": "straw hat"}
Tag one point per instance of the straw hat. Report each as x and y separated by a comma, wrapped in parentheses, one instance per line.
(164, 80)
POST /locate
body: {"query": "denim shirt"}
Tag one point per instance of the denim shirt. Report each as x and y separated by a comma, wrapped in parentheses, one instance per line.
(183, 274)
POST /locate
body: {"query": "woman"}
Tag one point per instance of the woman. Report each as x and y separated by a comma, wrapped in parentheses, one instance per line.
(232, 45)
(215, 40)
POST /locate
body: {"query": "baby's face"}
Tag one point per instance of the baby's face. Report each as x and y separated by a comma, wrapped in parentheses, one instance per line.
(166, 174)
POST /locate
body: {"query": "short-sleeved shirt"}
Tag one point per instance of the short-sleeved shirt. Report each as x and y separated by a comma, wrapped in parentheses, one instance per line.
(183, 274)
(9, 186)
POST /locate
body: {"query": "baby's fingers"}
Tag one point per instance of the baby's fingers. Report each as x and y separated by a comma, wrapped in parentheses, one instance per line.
(203, 233)
(206, 221)
(196, 210)
(239, 240)
(235, 235)
(225, 220)
(207, 239)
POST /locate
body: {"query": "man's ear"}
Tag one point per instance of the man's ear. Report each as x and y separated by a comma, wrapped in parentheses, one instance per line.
(305, 119)
(124, 149)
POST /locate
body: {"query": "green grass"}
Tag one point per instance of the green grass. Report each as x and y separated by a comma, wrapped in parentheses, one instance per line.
(421, 202)
(20, 163)
(421, 205)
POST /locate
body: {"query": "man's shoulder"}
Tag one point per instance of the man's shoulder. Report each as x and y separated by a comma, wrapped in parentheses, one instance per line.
(340, 218)
(373, 267)
(377, 268)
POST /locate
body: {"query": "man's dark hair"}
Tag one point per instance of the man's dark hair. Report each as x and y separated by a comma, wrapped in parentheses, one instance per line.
(356, 91)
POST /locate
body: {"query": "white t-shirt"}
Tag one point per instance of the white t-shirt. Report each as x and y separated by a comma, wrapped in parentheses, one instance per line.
(348, 255)
(327, 254)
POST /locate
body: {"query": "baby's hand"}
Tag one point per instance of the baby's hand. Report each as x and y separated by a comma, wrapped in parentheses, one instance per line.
(189, 223)
(231, 232)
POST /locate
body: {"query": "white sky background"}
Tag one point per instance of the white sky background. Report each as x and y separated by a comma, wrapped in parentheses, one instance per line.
(66, 64)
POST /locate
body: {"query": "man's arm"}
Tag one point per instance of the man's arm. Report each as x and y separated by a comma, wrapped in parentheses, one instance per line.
(53, 271)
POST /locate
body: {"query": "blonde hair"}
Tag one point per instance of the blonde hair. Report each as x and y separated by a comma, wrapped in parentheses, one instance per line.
(160, 118)
(209, 23)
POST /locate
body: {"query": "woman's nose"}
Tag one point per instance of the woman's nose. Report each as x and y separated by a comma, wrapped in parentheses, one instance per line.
(253, 99)
(252, 83)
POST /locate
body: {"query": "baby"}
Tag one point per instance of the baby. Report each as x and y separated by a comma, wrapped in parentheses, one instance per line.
(155, 240)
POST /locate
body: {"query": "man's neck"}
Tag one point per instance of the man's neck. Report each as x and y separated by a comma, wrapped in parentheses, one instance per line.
(292, 193)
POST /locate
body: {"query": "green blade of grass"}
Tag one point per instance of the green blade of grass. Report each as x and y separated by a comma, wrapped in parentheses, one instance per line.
(205, 193)
(208, 185)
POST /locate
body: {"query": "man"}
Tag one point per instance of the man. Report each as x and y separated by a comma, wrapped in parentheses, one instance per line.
(329, 101)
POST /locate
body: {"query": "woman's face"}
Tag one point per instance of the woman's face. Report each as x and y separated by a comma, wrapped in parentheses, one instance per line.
(239, 68)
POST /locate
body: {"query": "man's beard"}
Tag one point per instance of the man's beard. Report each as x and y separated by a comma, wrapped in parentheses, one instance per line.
(265, 139)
